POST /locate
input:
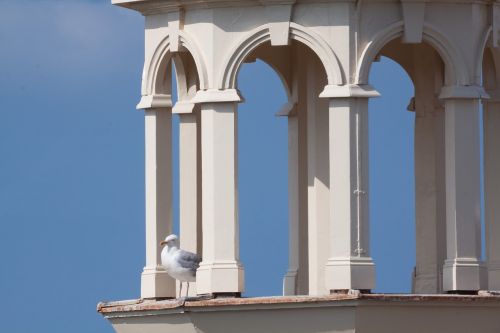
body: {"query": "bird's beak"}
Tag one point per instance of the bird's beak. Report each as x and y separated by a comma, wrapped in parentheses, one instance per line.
(162, 243)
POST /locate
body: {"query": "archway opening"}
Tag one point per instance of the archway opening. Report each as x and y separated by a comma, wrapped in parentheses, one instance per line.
(284, 171)
(262, 179)
(186, 155)
(392, 174)
(176, 163)
(408, 169)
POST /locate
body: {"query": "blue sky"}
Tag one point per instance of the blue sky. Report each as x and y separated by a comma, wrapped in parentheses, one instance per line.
(71, 167)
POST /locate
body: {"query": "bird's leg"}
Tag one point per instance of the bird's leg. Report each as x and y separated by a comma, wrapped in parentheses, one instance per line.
(180, 290)
(187, 292)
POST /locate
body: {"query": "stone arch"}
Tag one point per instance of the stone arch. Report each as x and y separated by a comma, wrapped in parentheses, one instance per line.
(181, 76)
(153, 79)
(283, 69)
(187, 78)
(482, 55)
(490, 71)
(262, 35)
(489, 67)
(456, 69)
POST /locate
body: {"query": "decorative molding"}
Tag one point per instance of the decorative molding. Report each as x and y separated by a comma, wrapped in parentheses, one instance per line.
(217, 96)
(413, 14)
(175, 24)
(153, 7)
(480, 54)
(279, 17)
(162, 53)
(183, 107)
(456, 69)
(155, 101)
(349, 90)
(261, 34)
(463, 92)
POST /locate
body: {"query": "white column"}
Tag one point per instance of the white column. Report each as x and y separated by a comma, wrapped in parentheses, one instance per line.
(492, 190)
(318, 179)
(290, 279)
(296, 280)
(155, 282)
(462, 268)
(349, 265)
(429, 174)
(430, 207)
(189, 181)
(220, 272)
(303, 274)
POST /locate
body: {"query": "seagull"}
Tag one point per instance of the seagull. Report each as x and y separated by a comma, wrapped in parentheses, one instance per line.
(179, 264)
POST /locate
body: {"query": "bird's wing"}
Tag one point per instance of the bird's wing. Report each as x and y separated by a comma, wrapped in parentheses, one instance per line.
(189, 260)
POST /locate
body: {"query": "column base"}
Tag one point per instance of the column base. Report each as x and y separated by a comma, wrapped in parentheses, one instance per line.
(220, 278)
(156, 283)
(463, 274)
(290, 283)
(426, 284)
(350, 273)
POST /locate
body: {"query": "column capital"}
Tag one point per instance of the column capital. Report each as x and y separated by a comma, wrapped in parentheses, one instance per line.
(438, 104)
(155, 101)
(463, 92)
(349, 91)
(217, 96)
(183, 107)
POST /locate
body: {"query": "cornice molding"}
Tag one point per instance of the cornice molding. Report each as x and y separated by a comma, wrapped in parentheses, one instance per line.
(150, 7)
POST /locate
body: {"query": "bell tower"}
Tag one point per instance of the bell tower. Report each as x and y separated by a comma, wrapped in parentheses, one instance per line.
(323, 52)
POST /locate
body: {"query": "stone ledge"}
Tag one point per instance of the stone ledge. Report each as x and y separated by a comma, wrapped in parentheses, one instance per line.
(171, 304)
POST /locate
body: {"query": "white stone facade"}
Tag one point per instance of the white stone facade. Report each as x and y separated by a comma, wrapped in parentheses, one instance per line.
(323, 52)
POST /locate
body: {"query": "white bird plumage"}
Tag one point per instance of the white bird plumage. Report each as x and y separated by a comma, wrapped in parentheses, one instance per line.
(179, 264)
